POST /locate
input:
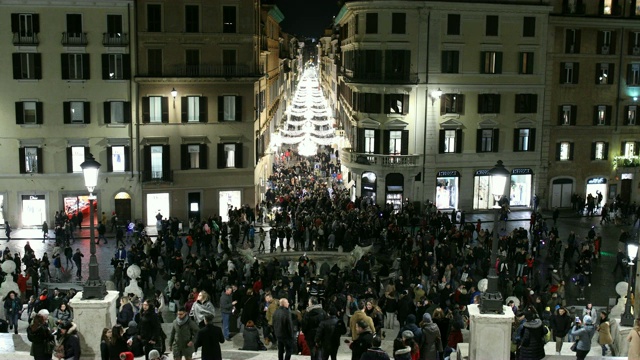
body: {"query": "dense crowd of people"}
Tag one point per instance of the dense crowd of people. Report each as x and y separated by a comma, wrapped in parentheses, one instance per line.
(415, 292)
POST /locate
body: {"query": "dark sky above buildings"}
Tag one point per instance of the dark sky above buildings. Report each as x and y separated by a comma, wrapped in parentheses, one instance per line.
(307, 17)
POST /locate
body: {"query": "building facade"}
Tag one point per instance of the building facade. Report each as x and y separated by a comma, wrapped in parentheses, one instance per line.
(67, 93)
(593, 82)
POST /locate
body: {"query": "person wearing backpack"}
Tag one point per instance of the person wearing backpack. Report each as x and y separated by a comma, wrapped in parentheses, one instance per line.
(533, 336)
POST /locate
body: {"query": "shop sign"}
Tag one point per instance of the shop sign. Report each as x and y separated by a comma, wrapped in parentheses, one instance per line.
(448, 173)
(32, 197)
(522, 171)
(367, 188)
(627, 176)
(484, 172)
(597, 180)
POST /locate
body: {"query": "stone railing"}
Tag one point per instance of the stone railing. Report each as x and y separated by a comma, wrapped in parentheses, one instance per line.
(349, 157)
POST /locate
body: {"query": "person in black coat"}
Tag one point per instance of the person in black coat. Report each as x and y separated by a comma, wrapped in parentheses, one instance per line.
(250, 308)
(251, 337)
(283, 330)
(532, 335)
(310, 322)
(40, 336)
(209, 338)
(328, 335)
(69, 340)
(150, 330)
(125, 313)
(363, 342)
(116, 343)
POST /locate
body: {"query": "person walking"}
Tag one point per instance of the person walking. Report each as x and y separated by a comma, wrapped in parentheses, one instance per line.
(583, 331)
(45, 231)
(604, 333)
(209, 338)
(362, 342)
(283, 329)
(183, 334)
(561, 324)
(12, 310)
(149, 328)
(77, 259)
(431, 342)
(328, 335)
(102, 230)
(7, 230)
(226, 308)
(41, 338)
(310, 322)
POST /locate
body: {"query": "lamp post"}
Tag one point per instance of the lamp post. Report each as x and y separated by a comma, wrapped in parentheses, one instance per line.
(93, 288)
(491, 300)
(174, 93)
(626, 319)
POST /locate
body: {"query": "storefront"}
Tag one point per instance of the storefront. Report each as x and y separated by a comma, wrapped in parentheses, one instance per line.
(229, 199)
(73, 204)
(34, 210)
(447, 187)
(521, 186)
(157, 203)
(595, 186)
(482, 198)
(369, 187)
(561, 191)
(394, 191)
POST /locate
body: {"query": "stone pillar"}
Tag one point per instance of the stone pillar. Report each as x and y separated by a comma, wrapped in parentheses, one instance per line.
(91, 316)
(490, 334)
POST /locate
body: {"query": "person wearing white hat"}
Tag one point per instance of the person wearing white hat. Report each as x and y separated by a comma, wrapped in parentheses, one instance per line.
(583, 331)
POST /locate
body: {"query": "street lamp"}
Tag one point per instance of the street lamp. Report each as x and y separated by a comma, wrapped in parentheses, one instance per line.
(93, 288)
(174, 93)
(435, 94)
(626, 319)
(491, 299)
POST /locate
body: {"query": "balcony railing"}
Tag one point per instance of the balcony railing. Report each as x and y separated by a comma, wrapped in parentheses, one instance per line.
(118, 39)
(74, 39)
(380, 77)
(208, 71)
(157, 176)
(25, 39)
(349, 157)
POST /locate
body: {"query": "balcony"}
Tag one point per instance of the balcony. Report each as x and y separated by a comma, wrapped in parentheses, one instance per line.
(379, 77)
(207, 71)
(118, 39)
(626, 161)
(74, 39)
(157, 176)
(25, 39)
(350, 158)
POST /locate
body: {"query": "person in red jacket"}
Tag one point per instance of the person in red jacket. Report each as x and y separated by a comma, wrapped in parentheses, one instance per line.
(303, 349)
(22, 285)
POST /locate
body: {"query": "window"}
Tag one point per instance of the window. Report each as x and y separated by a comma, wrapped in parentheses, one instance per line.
(610, 7)
(229, 61)
(567, 114)
(27, 66)
(371, 26)
(491, 25)
(450, 61)
(118, 159)
(529, 26)
(229, 155)
(154, 17)
(487, 140)
(488, 103)
(157, 168)
(451, 104)
(602, 115)
(229, 20)
(633, 74)
(599, 150)
(116, 66)
(397, 64)
(631, 112)
(194, 156)
(76, 112)
(573, 7)
(74, 26)
(604, 74)
(194, 109)
(395, 143)
(356, 24)
(25, 25)
(155, 109)
(525, 65)
(453, 24)
(117, 112)
(526, 103)
(192, 61)
(154, 62)
(606, 42)
(114, 25)
(572, 41)
(396, 104)
(229, 108)
(634, 42)
(191, 18)
(569, 72)
(29, 112)
(75, 157)
(490, 62)
(75, 66)
(367, 102)
(369, 141)
(398, 23)
(30, 160)
(524, 139)
(564, 151)
(450, 141)
(629, 148)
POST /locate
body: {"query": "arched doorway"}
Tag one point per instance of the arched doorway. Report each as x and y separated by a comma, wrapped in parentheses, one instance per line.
(394, 190)
(123, 207)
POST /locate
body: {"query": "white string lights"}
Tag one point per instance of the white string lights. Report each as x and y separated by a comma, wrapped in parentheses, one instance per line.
(309, 123)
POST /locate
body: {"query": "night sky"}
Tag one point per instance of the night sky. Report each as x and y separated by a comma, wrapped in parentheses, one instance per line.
(307, 17)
